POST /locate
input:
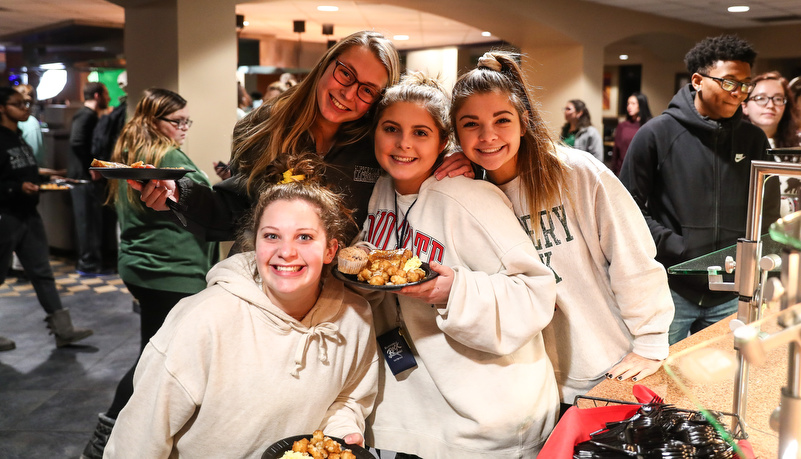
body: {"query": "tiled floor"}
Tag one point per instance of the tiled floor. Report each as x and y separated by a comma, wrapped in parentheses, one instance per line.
(49, 398)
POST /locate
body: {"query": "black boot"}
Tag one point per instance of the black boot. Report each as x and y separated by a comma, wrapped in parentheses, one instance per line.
(60, 324)
(94, 449)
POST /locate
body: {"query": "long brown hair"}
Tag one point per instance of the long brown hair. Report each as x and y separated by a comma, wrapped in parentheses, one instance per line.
(140, 139)
(541, 171)
(279, 127)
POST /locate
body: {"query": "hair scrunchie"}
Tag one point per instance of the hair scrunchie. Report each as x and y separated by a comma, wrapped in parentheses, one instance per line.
(488, 60)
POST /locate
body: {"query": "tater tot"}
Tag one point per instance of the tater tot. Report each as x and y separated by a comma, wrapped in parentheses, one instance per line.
(398, 280)
(377, 280)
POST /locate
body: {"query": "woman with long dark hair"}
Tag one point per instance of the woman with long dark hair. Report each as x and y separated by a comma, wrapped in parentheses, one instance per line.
(579, 133)
(637, 114)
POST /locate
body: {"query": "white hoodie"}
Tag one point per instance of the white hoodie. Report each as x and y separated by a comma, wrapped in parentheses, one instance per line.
(229, 373)
(484, 387)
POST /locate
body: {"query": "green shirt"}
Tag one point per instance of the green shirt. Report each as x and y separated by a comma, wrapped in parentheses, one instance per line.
(157, 253)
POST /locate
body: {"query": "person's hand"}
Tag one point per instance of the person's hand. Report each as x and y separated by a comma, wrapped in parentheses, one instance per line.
(435, 291)
(455, 165)
(155, 193)
(95, 175)
(635, 367)
(222, 170)
(354, 439)
(30, 188)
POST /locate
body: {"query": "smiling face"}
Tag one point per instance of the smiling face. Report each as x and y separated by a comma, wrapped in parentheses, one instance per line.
(489, 133)
(291, 250)
(407, 144)
(711, 100)
(767, 117)
(178, 134)
(339, 104)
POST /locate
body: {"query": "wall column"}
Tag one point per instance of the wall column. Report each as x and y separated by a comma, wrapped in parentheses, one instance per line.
(189, 47)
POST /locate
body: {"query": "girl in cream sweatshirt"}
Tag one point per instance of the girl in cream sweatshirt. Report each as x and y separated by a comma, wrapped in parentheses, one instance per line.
(272, 348)
(482, 386)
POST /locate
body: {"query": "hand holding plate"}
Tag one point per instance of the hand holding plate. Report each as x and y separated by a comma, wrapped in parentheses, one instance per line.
(435, 291)
(154, 193)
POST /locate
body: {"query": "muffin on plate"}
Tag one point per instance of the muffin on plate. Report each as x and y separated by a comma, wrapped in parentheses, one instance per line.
(351, 260)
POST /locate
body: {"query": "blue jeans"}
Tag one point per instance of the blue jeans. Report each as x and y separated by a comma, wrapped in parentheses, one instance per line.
(691, 318)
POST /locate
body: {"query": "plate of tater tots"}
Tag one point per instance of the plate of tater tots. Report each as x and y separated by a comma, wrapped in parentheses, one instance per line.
(381, 269)
(317, 446)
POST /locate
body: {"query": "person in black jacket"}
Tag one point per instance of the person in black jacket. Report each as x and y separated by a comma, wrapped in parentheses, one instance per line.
(21, 227)
(688, 169)
(87, 200)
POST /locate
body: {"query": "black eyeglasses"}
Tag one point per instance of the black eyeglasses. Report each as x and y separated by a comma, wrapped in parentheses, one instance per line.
(762, 101)
(731, 85)
(187, 123)
(345, 76)
(20, 104)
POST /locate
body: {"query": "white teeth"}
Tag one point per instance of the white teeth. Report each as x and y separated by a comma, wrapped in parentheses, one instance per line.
(403, 159)
(337, 104)
(288, 269)
(493, 150)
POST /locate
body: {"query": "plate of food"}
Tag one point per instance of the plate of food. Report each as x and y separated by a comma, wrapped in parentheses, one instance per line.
(56, 185)
(381, 269)
(137, 171)
(299, 445)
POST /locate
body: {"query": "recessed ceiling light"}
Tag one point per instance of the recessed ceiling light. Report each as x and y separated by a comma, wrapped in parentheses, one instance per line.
(738, 9)
(327, 8)
(245, 23)
(400, 37)
(624, 57)
(486, 34)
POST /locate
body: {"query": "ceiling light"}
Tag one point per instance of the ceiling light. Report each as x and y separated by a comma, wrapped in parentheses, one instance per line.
(486, 34)
(624, 57)
(327, 8)
(400, 37)
(738, 9)
(245, 23)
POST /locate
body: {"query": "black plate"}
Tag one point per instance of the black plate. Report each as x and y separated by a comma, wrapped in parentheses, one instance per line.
(277, 449)
(353, 280)
(136, 173)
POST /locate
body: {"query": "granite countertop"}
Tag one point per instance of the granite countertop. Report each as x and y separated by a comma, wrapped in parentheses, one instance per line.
(764, 386)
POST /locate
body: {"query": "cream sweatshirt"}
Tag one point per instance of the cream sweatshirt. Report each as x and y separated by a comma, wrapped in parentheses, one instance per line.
(483, 386)
(612, 297)
(229, 373)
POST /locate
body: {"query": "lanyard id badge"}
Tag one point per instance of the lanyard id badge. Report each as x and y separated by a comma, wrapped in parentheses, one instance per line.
(396, 350)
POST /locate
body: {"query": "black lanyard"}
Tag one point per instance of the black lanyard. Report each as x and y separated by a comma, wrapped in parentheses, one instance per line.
(404, 225)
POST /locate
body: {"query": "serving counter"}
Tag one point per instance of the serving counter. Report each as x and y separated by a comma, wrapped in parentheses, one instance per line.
(765, 382)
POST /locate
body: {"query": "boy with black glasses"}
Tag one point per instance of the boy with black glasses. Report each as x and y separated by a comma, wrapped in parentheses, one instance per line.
(688, 170)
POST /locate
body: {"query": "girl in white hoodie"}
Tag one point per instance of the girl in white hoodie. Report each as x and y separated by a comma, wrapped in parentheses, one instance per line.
(613, 302)
(272, 348)
(481, 385)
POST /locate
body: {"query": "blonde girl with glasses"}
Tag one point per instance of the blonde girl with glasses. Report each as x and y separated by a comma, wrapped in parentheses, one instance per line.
(159, 261)
(771, 106)
(328, 112)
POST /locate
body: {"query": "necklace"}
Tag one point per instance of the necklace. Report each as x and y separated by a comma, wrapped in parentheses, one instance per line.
(403, 227)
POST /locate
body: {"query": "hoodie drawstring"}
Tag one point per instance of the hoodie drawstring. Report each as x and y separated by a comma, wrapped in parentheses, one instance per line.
(323, 330)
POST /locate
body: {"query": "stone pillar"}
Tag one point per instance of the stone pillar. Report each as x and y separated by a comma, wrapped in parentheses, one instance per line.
(189, 47)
